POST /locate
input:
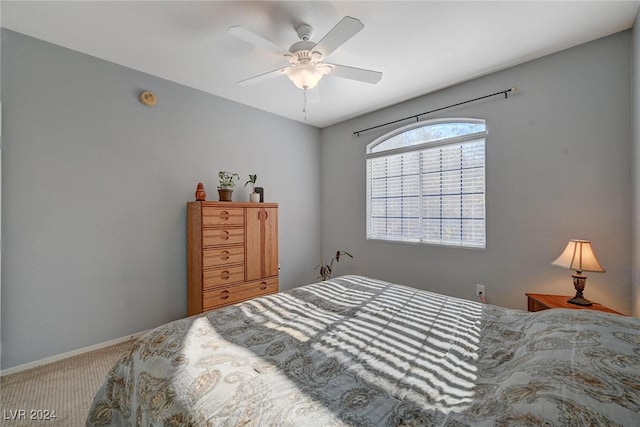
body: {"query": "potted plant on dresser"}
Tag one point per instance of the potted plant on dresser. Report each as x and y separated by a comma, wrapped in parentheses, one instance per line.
(253, 196)
(226, 184)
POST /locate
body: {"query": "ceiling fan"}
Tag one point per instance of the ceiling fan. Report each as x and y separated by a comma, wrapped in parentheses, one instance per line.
(305, 57)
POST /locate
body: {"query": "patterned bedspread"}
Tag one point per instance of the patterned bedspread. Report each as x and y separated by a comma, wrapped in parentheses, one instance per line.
(362, 352)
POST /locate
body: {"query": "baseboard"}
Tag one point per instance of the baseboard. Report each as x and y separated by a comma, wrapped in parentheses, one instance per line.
(62, 356)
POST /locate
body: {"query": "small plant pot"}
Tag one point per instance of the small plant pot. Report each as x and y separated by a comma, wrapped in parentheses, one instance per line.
(254, 197)
(224, 194)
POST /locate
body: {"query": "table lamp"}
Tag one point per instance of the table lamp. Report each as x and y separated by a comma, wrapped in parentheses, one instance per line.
(579, 256)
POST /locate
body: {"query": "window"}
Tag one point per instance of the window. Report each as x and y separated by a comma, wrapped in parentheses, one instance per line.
(426, 184)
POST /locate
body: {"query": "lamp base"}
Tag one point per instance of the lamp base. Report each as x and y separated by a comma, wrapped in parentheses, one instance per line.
(579, 282)
(580, 301)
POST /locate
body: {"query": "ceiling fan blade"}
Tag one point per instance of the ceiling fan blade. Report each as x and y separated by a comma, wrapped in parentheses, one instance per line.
(353, 73)
(343, 31)
(250, 37)
(266, 76)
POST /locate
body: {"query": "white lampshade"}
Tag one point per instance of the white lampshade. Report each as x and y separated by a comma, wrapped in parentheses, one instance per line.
(305, 76)
(579, 256)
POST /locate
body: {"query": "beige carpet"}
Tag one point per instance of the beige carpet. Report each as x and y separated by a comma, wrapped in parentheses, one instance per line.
(66, 387)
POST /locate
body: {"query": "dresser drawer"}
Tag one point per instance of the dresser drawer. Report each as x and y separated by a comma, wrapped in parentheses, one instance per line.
(222, 236)
(220, 216)
(222, 256)
(232, 294)
(222, 276)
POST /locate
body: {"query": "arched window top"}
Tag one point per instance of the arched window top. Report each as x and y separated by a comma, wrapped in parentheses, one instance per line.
(426, 133)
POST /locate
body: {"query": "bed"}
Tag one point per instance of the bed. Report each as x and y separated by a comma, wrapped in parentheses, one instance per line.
(363, 352)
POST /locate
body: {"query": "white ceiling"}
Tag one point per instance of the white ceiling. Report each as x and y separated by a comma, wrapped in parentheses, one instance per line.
(420, 46)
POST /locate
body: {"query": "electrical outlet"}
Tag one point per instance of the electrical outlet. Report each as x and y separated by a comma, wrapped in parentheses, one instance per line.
(480, 290)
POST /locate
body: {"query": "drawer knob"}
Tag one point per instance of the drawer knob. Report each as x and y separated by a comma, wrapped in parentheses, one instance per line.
(224, 215)
(263, 286)
(224, 235)
(224, 294)
(225, 275)
(224, 255)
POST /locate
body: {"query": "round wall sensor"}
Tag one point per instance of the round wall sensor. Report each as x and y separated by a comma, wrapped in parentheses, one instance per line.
(148, 98)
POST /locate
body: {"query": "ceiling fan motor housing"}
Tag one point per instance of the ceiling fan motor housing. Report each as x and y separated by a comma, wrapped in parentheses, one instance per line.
(304, 31)
(301, 45)
(304, 57)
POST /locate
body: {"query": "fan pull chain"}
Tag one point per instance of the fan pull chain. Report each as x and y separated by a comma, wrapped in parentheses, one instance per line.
(304, 105)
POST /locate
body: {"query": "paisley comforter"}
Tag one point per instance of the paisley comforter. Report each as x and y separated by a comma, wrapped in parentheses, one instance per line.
(361, 352)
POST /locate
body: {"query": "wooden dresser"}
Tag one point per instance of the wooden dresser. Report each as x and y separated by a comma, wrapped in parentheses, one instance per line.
(232, 253)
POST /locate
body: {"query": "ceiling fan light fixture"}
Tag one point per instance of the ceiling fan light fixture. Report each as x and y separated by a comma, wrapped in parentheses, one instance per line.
(324, 68)
(304, 76)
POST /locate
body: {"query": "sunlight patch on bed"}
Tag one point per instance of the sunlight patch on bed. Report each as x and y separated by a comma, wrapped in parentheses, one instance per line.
(425, 351)
(293, 332)
(414, 345)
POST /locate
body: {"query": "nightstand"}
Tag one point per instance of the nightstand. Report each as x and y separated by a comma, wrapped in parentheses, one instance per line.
(537, 302)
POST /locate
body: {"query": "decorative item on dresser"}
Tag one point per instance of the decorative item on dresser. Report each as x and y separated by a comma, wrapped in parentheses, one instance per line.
(225, 185)
(253, 196)
(260, 191)
(201, 194)
(232, 253)
(538, 302)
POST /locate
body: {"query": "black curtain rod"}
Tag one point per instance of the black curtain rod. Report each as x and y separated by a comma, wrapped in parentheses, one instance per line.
(505, 92)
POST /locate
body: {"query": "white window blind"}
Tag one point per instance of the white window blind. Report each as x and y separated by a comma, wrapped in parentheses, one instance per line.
(428, 185)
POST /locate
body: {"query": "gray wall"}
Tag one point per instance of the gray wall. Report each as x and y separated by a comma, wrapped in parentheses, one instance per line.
(94, 186)
(635, 301)
(558, 167)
